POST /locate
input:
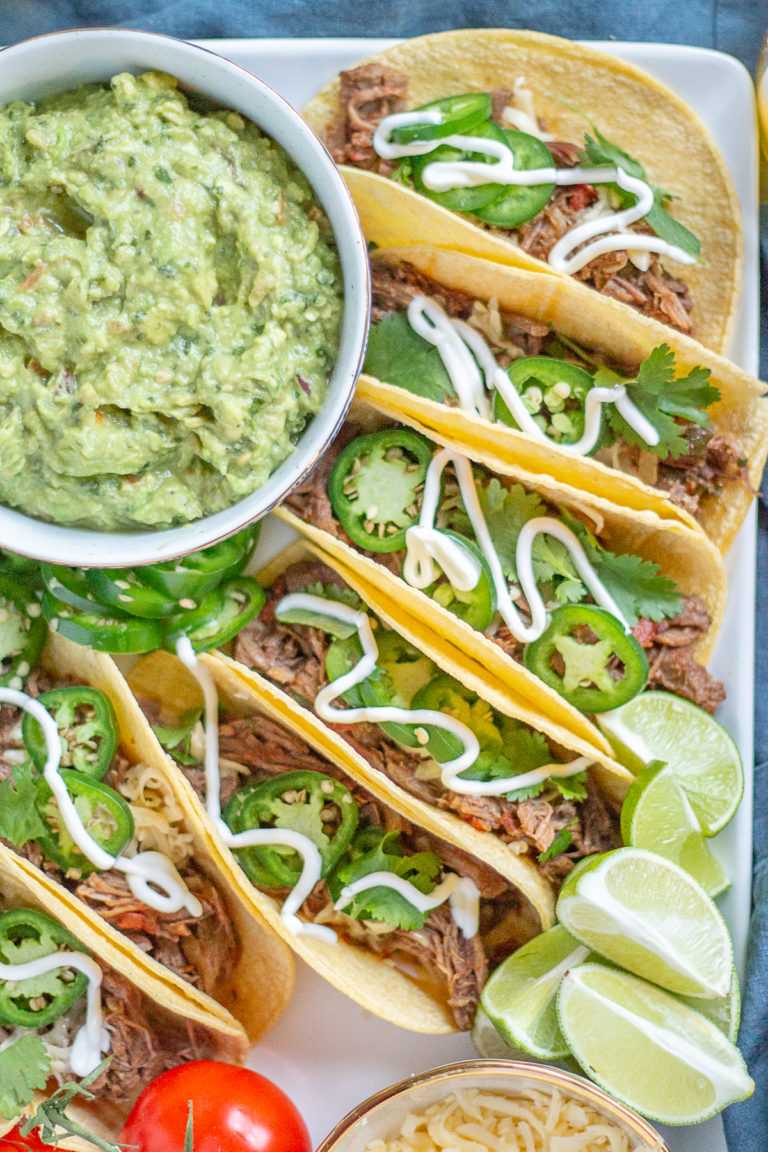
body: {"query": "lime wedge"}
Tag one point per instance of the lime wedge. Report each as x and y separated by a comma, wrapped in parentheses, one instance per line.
(724, 1012)
(648, 1049)
(660, 726)
(657, 815)
(520, 996)
(647, 915)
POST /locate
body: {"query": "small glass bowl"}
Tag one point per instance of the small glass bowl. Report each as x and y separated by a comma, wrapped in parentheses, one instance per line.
(380, 1116)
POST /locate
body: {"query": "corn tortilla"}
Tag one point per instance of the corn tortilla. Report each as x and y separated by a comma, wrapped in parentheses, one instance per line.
(571, 84)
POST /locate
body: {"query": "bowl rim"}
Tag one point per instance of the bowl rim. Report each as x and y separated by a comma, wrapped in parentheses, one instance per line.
(83, 547)
(548, 1076)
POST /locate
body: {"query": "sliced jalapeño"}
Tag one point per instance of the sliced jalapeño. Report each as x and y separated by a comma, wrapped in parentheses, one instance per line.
(458, 114)
(303, 801)
(87, 729)
(103, 811)
(22, 632)
(376, 486)
(588, 658)
(30, 934)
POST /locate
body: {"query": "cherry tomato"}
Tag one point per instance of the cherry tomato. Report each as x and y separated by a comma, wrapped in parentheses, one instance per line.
(13, 1141)
(233, 1110)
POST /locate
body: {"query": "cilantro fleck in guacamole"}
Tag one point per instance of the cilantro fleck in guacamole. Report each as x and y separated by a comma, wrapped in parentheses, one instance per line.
(170, 306)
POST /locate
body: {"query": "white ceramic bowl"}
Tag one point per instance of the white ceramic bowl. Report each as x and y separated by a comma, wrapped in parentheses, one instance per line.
(380, 1117)
(63, 60)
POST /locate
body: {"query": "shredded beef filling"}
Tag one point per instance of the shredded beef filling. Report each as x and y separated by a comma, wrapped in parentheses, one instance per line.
(653, 292)
(393, 286)
(368, 94)
(712, 459)
(293, 656)
(671, 662)
(372, 91)
(461, 962)
(201, 950)
(144, 1041)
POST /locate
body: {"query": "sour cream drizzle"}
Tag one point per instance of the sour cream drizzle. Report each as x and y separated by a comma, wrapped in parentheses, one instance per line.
(460, 891)
(152, 877)
(383, 714)
(92, 1038)
(307, 849)
(426, 545)
(441, 175)
(474, 372)
(453, 888)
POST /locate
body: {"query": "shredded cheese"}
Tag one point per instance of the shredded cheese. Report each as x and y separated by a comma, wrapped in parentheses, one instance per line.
(486, 319)
(471, 1120)
(158, 817)
(58, 1039)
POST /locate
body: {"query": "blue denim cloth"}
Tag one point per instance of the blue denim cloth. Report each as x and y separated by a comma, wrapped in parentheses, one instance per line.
(746, 1124)
(733, 26)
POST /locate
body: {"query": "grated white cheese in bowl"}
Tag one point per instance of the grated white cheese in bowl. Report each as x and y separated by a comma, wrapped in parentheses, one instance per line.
(493, 1106)
(471, 1120)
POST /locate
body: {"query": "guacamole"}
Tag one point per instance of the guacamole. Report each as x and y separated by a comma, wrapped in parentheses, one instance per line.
(170, 306)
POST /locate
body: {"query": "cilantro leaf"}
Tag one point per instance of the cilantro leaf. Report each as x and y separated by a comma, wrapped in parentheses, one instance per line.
(672, 442)
(24, 1069)
(559, 844)
(20, 819)
(638, 586)
(668, 228)
(177, 739)
(311, 619)
(552, 560)
(598, 151)
(380, 851)
(662, 397)
(572, 787)
(506, 510)
(398, 355)
(569, 591)
(523, 751)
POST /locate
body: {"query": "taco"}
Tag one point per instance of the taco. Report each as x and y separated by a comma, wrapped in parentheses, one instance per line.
(506, 360)
(282, 775)
(566, 599)
(52, 1033)
(507, 784)
(107, 837)
(618, 152)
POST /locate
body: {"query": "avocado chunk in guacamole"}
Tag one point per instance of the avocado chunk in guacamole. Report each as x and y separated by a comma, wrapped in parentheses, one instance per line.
(170, 306)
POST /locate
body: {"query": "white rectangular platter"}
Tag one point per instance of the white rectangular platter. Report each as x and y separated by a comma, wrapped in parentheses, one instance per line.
(326, 1052)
